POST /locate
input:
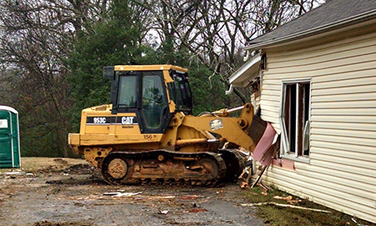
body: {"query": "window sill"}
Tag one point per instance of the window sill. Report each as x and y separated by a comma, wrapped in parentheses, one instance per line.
(296, 159)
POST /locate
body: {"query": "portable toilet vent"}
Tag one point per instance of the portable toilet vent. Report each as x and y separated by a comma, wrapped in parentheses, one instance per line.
(10, 155)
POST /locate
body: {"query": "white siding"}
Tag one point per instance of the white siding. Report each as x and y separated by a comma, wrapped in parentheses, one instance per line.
(341, 173)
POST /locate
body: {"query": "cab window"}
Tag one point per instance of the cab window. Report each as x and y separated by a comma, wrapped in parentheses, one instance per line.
(127, 92)
(180, 92)
(153, 100)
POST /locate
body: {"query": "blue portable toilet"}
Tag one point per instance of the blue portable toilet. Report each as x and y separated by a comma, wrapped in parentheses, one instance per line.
(10, 154)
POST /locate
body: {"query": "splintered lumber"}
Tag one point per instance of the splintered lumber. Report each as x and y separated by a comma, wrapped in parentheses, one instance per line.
(283, 205)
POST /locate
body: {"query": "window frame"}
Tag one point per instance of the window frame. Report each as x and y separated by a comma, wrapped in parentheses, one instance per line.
(285, 146)
(179, 87)
(135, 88)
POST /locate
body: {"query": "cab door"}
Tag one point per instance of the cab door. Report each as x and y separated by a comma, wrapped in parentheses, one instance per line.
(155, 115)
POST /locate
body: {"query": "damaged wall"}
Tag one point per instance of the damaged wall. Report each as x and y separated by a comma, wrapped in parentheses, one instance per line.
(339, 170)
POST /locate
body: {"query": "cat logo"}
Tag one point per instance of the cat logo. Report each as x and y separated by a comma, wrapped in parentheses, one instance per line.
(127, 120)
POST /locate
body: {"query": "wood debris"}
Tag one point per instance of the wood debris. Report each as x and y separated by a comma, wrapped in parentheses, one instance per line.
(283, 205)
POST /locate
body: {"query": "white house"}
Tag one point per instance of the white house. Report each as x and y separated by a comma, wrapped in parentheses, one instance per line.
(317, 76)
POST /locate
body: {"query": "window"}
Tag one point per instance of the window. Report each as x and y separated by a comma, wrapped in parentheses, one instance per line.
(295, 118)
(153, 100)
(180, 92)
(127, 92)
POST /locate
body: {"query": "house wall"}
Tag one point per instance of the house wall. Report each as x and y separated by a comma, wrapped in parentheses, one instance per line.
(341, 172)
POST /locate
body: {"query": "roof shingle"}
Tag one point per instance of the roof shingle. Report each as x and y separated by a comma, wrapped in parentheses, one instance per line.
(327, 15)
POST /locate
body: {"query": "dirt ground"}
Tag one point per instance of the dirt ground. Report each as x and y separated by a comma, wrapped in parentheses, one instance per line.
(70, 192)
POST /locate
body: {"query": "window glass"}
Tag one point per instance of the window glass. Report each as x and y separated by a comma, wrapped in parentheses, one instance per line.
(127, 91)
(180, 93)
(153, 100)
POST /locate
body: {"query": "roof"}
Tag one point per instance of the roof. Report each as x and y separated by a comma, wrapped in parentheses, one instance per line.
(156, 67)
(332, 15)
(6, 108)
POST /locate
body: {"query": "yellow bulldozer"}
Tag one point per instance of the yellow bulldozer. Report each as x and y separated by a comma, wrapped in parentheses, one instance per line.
(149, 135)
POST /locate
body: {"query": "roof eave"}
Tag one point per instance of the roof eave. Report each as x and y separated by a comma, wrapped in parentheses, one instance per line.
(246, 73)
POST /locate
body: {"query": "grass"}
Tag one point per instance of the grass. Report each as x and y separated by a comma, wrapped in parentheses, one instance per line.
(275, 215)
(35, 164)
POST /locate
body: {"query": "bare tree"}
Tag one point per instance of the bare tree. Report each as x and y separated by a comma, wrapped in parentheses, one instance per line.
(216, 31)
(36, 38)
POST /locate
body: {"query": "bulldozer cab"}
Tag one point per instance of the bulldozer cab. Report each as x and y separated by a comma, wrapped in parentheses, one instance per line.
(154, 93)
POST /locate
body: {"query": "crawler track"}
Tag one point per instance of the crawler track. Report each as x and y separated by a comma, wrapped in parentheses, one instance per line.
(164, 167)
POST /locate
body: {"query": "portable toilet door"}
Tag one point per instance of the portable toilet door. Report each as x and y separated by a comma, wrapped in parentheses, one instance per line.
(10, 155)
